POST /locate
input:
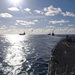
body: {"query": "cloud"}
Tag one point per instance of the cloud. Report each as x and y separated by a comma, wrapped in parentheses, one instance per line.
(13, 9)
(68, 14)
(52, 11)
(35, 20)
(57, 30)
(27, 9)
(37, 11)
(49, 11)
(35, 17)
(65, 30)
(58, 21)
(70, 25)
(13, 27)
(3, 27)
(23, 22)
(6, 15)
(50, 27)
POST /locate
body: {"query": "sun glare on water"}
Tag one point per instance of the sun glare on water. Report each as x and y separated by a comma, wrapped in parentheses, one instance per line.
(15, 38)
(15, 54)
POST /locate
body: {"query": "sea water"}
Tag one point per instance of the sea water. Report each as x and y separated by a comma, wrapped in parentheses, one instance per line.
(26, 54)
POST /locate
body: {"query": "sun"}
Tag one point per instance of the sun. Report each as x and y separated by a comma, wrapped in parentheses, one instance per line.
(15, 2)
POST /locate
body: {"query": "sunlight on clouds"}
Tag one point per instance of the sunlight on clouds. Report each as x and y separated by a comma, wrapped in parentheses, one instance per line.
(65, 30)
(13, 9)
(6, 15)
(13, 27)
(50, 27)
(23, 22)
(43, 17)
(35, 17)
(71, 25)
(35, 20)
(58, 21)
(37, 11)
(68, 14)
(27, 9)
(3, 27)
(58, 30)
(52, 11)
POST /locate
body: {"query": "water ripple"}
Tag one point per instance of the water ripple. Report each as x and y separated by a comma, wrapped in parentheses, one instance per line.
(25, 55)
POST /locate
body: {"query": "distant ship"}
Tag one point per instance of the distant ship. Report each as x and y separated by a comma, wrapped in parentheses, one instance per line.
(53, 34)
(49, 34)
(22, 33)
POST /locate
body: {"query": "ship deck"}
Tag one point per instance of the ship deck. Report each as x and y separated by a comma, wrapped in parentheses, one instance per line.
(63, 59)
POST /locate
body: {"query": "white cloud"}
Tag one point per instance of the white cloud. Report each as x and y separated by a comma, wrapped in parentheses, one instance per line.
(13, 27)
(30, 29)
(23, 22)
(35, 17)
(13, 9)
(68, 14)
(65, 30)
(49, 11)
(70, 25)
(50, 27)
(16, 24)
(6, 15)
(52, 11)
(57, 30)
(44, 30)
(3, 27)
(27, 9)
(35, 20)
(37, 11)
(58, 21)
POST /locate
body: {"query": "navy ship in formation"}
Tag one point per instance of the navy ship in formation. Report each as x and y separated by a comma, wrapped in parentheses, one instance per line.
(51, 34)
(22, 33)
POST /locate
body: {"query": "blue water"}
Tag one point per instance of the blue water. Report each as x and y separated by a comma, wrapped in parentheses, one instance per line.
(26, 54)
(64, 35)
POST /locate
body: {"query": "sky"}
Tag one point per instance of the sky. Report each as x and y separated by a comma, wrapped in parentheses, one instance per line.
(37, 16)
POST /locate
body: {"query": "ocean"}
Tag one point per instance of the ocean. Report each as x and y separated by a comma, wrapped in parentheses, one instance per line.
(26, 54)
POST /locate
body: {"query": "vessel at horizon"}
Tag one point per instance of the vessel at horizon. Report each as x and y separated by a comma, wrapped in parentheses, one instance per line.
(22, 33)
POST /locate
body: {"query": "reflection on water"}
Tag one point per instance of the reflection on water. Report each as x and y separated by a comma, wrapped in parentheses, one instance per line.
(15, 54)
(25, 55)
